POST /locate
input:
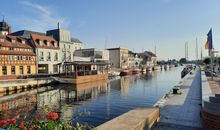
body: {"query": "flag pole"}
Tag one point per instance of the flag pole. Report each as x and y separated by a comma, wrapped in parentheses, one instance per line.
(212, 66)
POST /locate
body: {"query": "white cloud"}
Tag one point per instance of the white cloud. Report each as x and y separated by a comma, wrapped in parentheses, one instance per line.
(42, 17)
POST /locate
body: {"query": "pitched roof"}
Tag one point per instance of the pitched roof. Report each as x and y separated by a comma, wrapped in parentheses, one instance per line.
(7, 42)
(26, 33)
(75, 40)
(36, 38)
(147, 54)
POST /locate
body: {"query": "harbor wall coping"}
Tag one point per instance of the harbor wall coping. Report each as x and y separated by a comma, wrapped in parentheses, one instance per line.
(206, 90)
(137, 119)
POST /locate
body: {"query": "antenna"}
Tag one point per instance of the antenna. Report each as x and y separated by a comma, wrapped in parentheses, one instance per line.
(155, 50)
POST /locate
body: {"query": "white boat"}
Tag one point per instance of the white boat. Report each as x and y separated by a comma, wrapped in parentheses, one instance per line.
(156, 67)
(113, 73)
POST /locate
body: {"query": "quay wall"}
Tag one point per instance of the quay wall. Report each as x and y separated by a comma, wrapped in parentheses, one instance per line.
(137, 119)
(17, 84)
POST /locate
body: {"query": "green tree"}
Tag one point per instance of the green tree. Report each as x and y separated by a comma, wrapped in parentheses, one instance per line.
(207, 61)
(183, 60)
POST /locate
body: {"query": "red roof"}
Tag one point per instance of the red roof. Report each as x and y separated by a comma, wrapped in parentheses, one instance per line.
(7, 42)
(36, 38)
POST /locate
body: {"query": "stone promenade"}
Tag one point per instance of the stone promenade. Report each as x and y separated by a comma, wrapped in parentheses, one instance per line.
(182, 111)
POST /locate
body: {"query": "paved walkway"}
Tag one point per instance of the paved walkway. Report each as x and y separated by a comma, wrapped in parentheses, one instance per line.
(182, 112)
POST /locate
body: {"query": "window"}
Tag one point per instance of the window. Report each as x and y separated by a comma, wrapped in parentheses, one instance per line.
(23, 42)
(28, 70)
(56, 57)
(28, 57)
(0, 48)
(12, 40)
(22, 49)
(41, 43)
(4, 70)
(69, 46)
(10, 57)
(12, 70)
(48, 56)
(19, 57)
(48, 43)
(41, 56)
(21, 70)
(11, 48)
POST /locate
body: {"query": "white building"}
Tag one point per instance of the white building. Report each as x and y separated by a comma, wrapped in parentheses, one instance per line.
(95, 54)
(47, 53)
(67, 44)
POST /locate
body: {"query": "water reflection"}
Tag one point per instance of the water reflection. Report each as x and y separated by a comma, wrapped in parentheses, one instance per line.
(104, 99)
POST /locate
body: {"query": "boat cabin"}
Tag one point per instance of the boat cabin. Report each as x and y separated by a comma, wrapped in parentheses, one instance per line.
(82, 72)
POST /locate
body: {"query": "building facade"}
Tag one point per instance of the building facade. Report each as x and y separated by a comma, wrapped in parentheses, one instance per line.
(47, 53)
(95, 54)
(17, 59)
(134, 60)
(118, 57)
(149, 58)
(66, 43)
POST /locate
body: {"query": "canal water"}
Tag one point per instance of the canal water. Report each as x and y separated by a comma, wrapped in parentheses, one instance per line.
(94, 103)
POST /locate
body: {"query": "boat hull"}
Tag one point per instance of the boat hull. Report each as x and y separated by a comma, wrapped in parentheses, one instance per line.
(81, 79)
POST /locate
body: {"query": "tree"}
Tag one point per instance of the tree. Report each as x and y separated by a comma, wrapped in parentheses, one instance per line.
(183, 60)
(207, 61)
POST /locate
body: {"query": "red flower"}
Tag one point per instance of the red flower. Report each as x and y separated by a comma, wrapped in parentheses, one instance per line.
(22, 125)
(37, 117)
(52, 116)
(3, 122)
(11, 121)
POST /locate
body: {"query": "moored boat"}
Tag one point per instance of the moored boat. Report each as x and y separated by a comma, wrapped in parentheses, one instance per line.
(136, 71)
(125, 72)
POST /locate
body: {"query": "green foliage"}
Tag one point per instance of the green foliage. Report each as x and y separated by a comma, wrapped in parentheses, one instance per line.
(207, 61)
(183, 60)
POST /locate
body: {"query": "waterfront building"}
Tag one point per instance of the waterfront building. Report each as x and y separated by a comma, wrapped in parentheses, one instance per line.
(95, 54)
(67, 44)
(17, 58)
(149, 58)
(118, 57)
(134, 60)
(47, 53)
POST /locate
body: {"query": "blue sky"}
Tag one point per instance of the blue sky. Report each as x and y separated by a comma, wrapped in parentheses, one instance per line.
(135, 24)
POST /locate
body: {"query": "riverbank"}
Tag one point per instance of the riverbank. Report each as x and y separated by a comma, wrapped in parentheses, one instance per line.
(182, 111)
(7, 86)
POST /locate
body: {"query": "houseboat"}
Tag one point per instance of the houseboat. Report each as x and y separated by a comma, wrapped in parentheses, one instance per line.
(82, 72)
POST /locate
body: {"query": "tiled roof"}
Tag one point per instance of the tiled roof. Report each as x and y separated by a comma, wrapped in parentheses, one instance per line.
(17, 44)
(36, 38)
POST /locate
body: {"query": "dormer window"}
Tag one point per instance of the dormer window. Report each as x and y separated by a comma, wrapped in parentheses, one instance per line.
(48, 43)
(55, 44)
(12, 40)
(23, 41)
(40, 42)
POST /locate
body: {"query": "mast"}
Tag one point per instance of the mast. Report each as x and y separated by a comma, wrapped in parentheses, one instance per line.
(196, 49)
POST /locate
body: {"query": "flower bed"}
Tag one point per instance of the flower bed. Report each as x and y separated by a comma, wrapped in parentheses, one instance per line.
(52, 122)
